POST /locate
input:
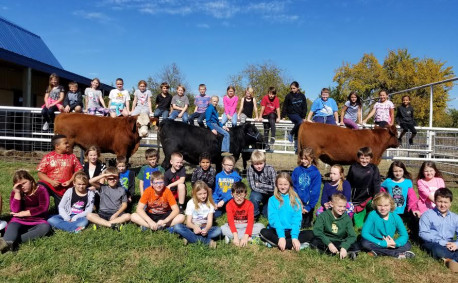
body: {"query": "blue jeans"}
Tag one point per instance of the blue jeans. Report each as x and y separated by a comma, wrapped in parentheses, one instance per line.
(189, 235)
(234, 119)
(159, 112)
(325, 120)
(58, 222)
(175, 114)
(257, 198)
(369, 246)
(225, 146)
(297, 121)
(200, 118)
(437, 251)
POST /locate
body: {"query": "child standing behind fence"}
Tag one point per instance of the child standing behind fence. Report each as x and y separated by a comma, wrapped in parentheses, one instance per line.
(54, 98)
(94, 99)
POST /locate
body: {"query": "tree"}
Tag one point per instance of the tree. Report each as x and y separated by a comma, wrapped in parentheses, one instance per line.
(260, 77)
(399, 71)
(174, 77)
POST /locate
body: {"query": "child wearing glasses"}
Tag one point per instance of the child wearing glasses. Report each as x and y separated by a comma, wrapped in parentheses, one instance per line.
(113, 200)
(223, 184)
(240, 227)
(157, 208)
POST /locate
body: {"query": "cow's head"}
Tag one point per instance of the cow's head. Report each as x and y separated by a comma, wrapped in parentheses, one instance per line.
(252, 135)
(143, 123)
(393, 140)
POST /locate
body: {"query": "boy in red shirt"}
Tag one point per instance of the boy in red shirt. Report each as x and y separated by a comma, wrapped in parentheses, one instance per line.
(240, 217)
(57, 168)
(270, 110)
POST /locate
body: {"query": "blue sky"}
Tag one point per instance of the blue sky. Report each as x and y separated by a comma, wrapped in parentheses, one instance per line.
(211, 40)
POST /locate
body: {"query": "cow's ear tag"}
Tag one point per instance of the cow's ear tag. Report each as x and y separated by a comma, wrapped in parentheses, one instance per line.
(154, 123)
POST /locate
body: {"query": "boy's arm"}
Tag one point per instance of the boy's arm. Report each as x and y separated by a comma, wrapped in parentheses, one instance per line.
(141, 211)
(194, 177)
(262, 111)
(95, 181)
(66, 101)
(230, 218)
(177, 182)
(309, 116)
(428, 234)
(175, 212)
(44, 177)
(140, 186)
(351, 235)
(120, 210)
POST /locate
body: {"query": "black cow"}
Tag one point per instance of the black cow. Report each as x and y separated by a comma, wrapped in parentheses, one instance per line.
(191, 141)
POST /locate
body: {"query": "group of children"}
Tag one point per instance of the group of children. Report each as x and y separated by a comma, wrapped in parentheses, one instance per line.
(360, 200)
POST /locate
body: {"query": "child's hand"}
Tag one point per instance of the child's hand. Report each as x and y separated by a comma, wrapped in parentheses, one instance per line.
(304, 211)
(332, 248)
(389, 242)
(153, 225)
(236, 241)
(451, 246)
(161, 223)
(197, 230)
(180, 115)
(278, 120)
(416, 213)
(220, 204)
(24, 213)
(214, 132)
(66, 183)
(244, 241)
(343, 253)
(54, 183)
(67, 109)
(17, 188)
(282, 244)
(113, 217)
(327, 205)
(226, 128)
(129, 199)
(204, 232)
(296, 244)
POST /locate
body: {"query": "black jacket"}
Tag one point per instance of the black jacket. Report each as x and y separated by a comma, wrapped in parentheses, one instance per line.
(295, 103)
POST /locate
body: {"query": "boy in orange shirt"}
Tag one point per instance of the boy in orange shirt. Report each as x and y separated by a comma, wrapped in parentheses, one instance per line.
(161, 207)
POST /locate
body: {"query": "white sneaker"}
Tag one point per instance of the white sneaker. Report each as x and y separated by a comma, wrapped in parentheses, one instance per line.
(45, 126)
(227, 240)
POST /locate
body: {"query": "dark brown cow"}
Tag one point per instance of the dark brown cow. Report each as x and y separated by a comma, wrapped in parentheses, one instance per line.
(336, 145)
(120, 135)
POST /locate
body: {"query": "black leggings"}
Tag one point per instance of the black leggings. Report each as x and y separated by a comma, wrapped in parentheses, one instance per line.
(270, 236)
(20, 233)
(48, 113)
(318, 244)
(272, 117)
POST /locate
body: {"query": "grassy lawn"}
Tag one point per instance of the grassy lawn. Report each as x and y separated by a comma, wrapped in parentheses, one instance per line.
(134, 256)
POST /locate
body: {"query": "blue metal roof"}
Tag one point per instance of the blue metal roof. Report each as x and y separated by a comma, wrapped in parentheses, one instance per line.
(23, 42)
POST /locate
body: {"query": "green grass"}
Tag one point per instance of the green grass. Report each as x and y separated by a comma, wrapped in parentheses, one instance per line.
(134, 256)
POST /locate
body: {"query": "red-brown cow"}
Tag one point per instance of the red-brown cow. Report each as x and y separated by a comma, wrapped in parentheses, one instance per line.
(336, 145)
(120, 135)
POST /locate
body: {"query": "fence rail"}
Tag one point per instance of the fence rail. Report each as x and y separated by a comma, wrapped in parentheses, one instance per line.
(20, 131)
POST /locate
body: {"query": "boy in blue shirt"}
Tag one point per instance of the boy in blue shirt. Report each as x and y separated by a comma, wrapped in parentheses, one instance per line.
(324, 110)
(126, 180)
(438, 227)
(213, 123)
(224, 181)
(202, 101)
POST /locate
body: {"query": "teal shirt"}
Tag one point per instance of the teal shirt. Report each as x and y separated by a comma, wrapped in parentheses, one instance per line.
(375, 228)
(282, 217)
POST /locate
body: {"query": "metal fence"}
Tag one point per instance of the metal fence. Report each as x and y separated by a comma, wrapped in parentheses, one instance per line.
(22, 139)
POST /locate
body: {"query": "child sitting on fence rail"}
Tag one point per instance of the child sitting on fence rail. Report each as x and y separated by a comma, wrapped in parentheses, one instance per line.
(54, 97)
(94, 99)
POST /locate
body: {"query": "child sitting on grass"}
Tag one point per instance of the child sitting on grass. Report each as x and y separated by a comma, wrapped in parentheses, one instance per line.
(76, 204)
(157, 208)
(334, 231)
(285, 216)
(240, 217)
(199, 217)
(29, 204)
(439, 228)
(205, 172)
(381, 226)
(113, 201)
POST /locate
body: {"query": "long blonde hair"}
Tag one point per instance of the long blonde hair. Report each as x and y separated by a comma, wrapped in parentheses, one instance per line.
(198, 186)
(342, 176)
(50, 87)
(294, 200)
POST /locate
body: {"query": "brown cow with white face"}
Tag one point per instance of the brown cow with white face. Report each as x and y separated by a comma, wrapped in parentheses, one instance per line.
(336, 145)
(120, 135)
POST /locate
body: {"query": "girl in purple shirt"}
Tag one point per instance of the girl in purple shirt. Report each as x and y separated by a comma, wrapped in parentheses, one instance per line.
(29, 207)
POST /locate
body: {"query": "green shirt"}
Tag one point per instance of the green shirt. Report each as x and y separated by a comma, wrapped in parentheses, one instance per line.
(330, 229)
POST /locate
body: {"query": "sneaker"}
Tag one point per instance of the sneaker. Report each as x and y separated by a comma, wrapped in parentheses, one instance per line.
(116, 227)
(45, 126)
(94, 227)
(268, 245)
(372, 254)
(352, 255)
(272, 141)
(409, 254)
(226, 154)
(212, 244)
(267, 147)
(79, 229)
(290, 137)
(227, 240)
(451, 264)
(304, 246)
(144, 229)
(185, 242)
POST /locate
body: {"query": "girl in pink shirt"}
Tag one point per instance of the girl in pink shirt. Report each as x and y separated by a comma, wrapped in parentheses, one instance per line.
(429, 180)
(230, 101)
(383, 111)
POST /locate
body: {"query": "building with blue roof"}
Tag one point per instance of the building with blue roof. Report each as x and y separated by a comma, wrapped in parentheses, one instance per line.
(25, 65)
